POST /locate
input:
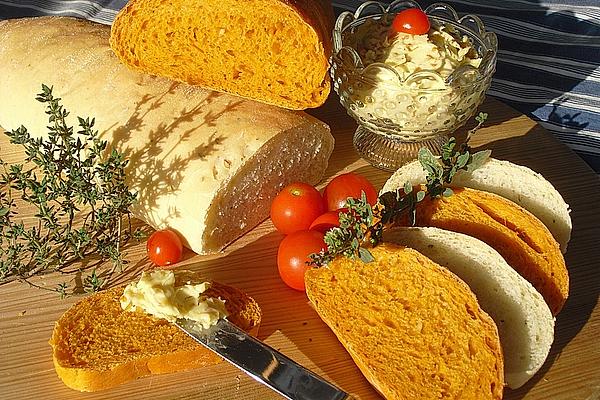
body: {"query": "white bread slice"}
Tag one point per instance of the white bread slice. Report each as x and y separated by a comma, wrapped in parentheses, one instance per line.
(520, 184)
(524, 321)
(203, 163)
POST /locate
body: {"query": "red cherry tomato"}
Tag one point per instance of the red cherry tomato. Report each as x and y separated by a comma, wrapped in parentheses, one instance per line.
(411, 20)
(295, 207)
(164, 248)
(292, 256)
(325, 222)
(347, 185)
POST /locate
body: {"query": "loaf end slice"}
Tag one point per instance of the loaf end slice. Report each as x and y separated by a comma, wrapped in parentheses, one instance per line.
(96, 345)
(517, 183)
(413, 328)
(243, 201)
(273, 51)
(524, 321)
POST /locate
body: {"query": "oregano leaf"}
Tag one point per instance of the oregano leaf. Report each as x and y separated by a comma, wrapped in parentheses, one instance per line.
(462, 160)
(365, 255)
(478, 159)
(429, 162)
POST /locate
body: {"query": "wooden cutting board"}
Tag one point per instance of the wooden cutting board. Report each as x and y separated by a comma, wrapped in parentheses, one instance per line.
(572, 370)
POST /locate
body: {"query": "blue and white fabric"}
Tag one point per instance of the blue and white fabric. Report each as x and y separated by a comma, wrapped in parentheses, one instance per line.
(548, 63)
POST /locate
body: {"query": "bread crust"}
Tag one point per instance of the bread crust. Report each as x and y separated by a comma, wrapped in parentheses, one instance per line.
(81, 332)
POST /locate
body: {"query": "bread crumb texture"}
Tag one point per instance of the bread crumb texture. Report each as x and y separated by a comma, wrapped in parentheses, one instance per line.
(413, 328)
(268, 50)
(523, 241)
(97, 345)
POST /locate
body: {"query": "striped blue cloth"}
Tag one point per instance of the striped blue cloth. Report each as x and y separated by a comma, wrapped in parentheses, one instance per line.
(548, 63)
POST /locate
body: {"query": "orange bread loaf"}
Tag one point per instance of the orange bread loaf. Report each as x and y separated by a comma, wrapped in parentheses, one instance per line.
(524, 242)
(274, 51)
(97, 345)
(413, 328)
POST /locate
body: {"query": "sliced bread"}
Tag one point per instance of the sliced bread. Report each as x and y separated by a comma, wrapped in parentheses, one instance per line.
(97, 345)
(520, 238)
(412, 327)
(515, 182)
(524, 321)
(203, 163)
(274, 51)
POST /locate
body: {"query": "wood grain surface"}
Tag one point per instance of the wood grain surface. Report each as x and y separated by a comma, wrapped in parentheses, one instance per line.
(572, 371)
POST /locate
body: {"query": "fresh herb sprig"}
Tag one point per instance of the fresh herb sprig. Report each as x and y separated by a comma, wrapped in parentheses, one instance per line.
(361, 226)
(81, 200)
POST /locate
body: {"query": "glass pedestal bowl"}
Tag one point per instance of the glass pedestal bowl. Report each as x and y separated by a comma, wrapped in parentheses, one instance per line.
(396, 116)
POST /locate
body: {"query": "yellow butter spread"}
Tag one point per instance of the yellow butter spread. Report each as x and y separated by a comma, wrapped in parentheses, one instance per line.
(156, 294)
(440, 50)
(414, 92)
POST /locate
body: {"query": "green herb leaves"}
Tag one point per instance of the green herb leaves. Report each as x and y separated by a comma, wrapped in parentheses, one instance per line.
(441, 171)
(78, 191)
(352, 235)
(361, 227)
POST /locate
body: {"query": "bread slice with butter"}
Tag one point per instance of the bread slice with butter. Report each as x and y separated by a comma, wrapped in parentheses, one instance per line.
(97, 345)
(517, 183)
(524, 321)
(412, 327)
(203, 163)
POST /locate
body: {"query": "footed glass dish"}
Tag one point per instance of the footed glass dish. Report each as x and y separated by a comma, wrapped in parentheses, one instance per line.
(398, 113)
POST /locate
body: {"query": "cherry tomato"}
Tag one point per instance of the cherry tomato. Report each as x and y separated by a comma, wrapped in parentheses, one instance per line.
(326, 221)
(295, 207)
(347, 185)
(164, 248)
(292, 256)
(411, 20)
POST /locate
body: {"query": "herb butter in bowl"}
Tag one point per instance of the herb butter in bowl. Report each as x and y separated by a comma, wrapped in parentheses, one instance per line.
(408, 78)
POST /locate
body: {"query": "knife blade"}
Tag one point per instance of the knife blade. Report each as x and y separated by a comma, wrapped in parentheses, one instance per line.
(262, 362)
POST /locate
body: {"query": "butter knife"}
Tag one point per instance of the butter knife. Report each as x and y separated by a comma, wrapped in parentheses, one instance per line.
(262, 362)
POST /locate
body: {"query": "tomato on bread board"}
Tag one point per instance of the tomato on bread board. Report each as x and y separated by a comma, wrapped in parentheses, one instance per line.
(300, 212)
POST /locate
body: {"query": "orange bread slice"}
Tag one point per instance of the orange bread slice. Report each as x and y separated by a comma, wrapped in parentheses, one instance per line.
(524, 242)
(274, 51)
(413, 328)
(96, 345)
(514, 182)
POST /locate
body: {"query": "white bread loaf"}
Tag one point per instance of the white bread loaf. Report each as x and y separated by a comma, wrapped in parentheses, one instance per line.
(525, 323)
(517, 183)
(204, 163)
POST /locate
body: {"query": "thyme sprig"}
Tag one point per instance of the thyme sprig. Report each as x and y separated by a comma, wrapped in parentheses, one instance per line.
(81, 200)
(361, 226)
